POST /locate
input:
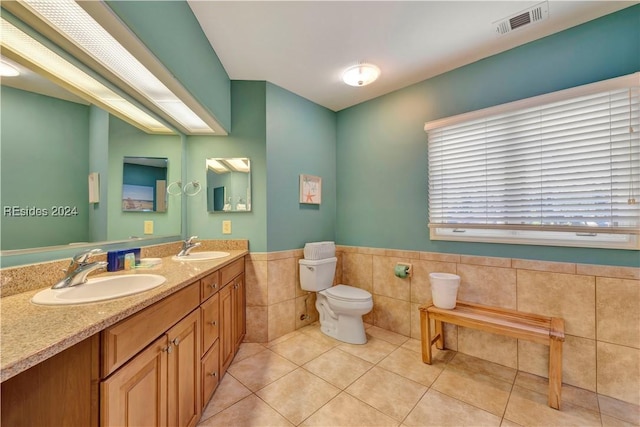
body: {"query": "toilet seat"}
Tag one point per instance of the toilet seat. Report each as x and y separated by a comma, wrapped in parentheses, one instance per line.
(347, 293)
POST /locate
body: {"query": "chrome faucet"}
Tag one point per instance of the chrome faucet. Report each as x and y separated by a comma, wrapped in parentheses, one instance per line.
(79, 268)
(187, 245)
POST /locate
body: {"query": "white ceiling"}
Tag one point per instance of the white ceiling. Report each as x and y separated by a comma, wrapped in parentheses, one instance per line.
(303, 46)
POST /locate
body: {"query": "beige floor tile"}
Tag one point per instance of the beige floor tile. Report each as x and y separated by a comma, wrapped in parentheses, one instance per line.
(413, 345)
(464, 362)
(529, 408)
(316, 333)
(386, 335)
(338, 367)
(409, 364)
(298, 394)
(477, 389)
(228, 392)
(577, 396)
(608, 421)
(437, 409)
(373, 351)
(248, 349)
(619, 409)
(389, 393)
(251, 411)
(261, 369)
(345, 410)
(301, 348)
(282, 339)
(507, 423)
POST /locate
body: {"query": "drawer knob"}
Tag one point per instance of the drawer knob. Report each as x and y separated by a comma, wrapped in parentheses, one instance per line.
(213, 285)
(167, 349)
(212, 323)
(213, 374)
(176, 341)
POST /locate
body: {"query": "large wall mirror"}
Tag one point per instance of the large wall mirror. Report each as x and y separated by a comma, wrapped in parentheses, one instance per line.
(228, 184)
(51, 142)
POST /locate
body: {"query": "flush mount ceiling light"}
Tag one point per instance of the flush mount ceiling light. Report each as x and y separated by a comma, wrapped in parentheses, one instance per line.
(361, 74)
(70, 25)
(29, 52)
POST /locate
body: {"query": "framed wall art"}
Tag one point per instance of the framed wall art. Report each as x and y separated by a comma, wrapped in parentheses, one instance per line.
(310, 189)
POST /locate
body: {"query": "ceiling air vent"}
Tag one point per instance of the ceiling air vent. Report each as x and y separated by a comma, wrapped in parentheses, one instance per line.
(521, 19)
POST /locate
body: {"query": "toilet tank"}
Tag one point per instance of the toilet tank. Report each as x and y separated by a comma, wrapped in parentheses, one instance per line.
(317, 275)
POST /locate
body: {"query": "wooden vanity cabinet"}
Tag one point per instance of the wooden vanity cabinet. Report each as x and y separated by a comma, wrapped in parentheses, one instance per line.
(158, 367)
(160, 385)
(232, 313)
(60, 391)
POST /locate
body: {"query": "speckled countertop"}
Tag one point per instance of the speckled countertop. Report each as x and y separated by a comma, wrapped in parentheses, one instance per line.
(30, 334)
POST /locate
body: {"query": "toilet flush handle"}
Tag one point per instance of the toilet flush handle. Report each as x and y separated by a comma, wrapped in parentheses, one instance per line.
(310, 268)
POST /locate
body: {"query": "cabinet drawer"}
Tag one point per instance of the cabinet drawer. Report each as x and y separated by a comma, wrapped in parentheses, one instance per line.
(210, 374)
(230, 271)
(123, 340)
(210, 312)
(209, 285)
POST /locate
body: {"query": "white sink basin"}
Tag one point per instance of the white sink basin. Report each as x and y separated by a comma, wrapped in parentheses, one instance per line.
(99, 289)
(201, 256)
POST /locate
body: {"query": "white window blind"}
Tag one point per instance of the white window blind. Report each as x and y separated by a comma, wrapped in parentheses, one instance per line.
(564, 168)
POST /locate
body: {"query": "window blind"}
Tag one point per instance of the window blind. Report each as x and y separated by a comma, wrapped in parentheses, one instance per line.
(572, 164)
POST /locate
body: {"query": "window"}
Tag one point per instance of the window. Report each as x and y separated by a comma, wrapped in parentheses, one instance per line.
(558, 169)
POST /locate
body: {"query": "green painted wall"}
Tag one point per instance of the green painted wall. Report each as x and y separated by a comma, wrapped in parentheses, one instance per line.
(127, 140)
(171, 31)
(382, 147)
(301, 139)
(247, 139)
(44, 156)
(99, 162)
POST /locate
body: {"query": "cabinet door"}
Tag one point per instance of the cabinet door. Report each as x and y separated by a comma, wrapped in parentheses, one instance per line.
(227, 344)
(210, 311)
(239, 326)
(136, 395)
(60, 391)
(184, 372)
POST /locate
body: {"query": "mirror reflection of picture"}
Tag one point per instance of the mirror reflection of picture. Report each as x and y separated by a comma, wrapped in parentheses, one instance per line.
(144, 184)
(310, 189)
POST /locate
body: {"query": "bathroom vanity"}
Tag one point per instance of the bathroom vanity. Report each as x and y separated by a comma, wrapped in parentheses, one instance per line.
(154, 358)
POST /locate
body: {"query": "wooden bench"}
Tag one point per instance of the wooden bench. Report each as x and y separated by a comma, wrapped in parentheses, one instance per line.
(526, 326)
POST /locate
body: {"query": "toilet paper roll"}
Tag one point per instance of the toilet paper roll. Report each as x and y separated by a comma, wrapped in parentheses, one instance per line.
(401, 271)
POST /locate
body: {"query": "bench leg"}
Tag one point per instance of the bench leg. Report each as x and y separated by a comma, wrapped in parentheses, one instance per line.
(439, 335)
(425, 337)
(555, 373)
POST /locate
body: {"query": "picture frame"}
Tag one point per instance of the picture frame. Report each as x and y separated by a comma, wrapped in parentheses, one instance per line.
(310, 189)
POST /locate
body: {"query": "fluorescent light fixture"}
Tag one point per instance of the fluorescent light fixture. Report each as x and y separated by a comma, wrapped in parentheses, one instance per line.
(360, 75)
(216, 166)
(35, 53)
(8, 70)
(77, 26)
(239, 165)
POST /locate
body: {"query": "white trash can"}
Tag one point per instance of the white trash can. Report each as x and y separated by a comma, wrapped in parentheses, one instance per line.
(444, 289)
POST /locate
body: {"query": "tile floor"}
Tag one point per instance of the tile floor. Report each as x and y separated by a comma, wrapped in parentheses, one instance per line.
(308, 379)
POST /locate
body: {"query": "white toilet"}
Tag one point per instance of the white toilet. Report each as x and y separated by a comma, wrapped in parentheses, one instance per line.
(341, 307)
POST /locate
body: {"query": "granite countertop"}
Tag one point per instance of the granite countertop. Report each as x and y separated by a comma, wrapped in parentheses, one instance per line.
(30, 334)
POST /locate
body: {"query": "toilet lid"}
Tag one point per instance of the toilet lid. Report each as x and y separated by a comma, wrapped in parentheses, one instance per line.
(347, 293)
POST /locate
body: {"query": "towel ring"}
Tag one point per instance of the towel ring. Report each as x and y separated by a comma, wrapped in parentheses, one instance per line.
(178, 184)
(196, 188)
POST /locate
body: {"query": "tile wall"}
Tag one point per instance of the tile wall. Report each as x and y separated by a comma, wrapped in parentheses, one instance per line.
(600, 305)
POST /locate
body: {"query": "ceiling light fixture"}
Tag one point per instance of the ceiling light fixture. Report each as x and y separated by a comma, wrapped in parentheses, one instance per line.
(361, 75)
(28, 51)
(8, 70)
